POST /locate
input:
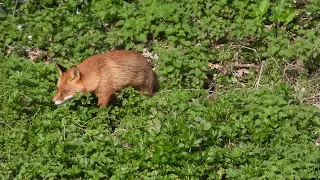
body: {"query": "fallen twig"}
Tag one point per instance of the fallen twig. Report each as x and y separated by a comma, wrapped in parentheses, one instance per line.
(245, 47)
(15, 8)
(6, 125)
(4, 94)
(260, 74)
(237, 65)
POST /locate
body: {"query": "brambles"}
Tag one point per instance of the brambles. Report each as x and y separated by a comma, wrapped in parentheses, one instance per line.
(264, 132)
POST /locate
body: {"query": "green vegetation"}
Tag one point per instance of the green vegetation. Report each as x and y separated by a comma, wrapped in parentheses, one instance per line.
(238, 80)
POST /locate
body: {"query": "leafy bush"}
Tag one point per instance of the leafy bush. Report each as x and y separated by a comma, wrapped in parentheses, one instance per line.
(264, 133)
(186, 35)
(181, 134)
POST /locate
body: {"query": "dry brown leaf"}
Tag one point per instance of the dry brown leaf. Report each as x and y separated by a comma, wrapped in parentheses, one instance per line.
(240, 73)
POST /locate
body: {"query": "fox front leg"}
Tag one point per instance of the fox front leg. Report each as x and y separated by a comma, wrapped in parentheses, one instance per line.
(104, 98)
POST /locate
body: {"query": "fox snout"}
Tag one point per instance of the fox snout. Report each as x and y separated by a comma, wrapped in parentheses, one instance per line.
(57, 100)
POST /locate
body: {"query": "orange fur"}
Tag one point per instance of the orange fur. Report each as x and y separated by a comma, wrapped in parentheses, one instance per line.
(104, 74)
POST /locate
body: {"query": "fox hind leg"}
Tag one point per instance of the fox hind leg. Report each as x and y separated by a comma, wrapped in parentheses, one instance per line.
(113, 100)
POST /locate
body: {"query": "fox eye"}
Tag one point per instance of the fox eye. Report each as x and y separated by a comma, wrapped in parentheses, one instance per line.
(64, 91)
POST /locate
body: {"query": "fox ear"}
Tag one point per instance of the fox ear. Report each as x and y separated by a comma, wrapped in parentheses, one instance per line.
(74, 73)
(61, 68)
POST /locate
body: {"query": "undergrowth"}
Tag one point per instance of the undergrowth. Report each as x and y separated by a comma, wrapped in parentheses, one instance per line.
(264, 133)
(237, 79)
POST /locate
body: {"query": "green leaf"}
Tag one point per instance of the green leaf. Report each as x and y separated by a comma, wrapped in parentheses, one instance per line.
(142, 37)
(90, 51)
(177, 63)
(129, 46)
(264, 6)
(290, 15)
(139, 47)
(184, 42)
(286, 53)
(169, 69)
(172, 38)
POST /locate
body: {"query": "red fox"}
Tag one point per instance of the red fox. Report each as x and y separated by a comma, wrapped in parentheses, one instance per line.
(105, 74)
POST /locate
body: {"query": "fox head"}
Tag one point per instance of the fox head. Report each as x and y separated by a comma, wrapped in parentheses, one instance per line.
(68, 84)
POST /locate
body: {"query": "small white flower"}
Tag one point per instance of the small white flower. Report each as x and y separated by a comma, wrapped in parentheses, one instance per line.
(19, 27)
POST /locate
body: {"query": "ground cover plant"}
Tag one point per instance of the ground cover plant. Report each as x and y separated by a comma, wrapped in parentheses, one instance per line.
(239, 95)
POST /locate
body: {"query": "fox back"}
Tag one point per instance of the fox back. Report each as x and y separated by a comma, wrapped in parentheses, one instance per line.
(104, 74)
